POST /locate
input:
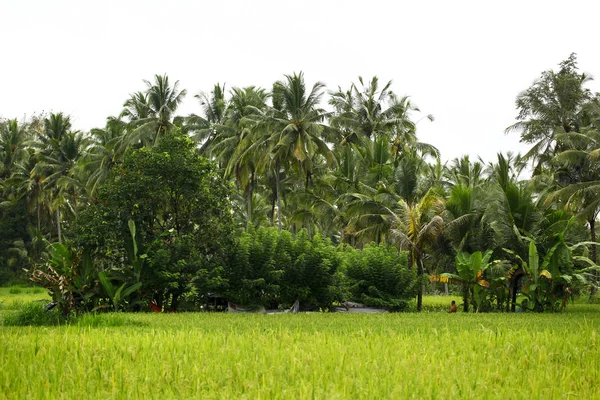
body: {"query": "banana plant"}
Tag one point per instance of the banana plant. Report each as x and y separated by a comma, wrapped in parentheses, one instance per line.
(470, 270)
(69, 276)
(117, 295)
(538, 285)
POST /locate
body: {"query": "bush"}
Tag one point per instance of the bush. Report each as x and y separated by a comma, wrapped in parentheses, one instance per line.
(379, 277)
(272, 268)
(33, 314)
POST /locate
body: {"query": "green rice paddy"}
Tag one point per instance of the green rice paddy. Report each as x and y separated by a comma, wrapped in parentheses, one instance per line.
(321, 355)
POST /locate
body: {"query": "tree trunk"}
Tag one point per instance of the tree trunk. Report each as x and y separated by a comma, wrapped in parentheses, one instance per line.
(277, 183)
(466, 297)
(273, 209)
(420, 283)
(592, 223)
(250, 190)
(58, 225)
(514, 286)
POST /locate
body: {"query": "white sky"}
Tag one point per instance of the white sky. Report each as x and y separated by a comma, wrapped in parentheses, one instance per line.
(462, 61)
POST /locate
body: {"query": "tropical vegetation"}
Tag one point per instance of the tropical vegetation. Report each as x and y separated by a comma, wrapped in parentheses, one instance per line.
(296, 192)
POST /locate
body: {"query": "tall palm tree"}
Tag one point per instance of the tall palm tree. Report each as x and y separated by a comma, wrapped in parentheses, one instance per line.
(204, 128)
(577, 177)
(555, 103)
(13, 149)
(60, 150)
(106, 149)
(236, 141)
(297, 124)
(151, 113)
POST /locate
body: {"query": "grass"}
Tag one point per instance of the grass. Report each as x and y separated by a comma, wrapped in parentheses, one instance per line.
(14, 297)
(203, 355)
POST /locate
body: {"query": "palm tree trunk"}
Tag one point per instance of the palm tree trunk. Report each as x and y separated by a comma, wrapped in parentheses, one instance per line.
(592, 223)
(419, 266)
(273, 210)
(278, 184)
(39, 217)
(58, 225)
(250, 190)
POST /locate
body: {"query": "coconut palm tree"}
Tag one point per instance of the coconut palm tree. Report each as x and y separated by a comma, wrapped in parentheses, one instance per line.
(415, 227)
(60, 150)
(13, 149)
(297, 124)
(106, 149)
(151, 113)
(577, 177)
(555, 103)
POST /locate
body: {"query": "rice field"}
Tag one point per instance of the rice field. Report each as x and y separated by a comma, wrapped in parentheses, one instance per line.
(12, 298)
(320, 355)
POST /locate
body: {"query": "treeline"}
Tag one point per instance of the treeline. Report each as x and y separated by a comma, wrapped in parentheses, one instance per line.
(355, 175)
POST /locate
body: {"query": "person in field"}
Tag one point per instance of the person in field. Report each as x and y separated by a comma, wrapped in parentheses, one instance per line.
(452, 307)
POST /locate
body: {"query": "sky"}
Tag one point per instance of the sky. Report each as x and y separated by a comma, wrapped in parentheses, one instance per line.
(464, 62)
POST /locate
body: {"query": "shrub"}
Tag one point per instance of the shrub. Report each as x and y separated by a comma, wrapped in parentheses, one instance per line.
(272, 268)
(379, 277)
(33, 314)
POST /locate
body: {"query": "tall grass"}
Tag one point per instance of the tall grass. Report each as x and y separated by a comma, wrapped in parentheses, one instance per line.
(327, 356)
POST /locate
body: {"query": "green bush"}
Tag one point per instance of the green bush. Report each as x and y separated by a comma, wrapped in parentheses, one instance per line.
(272, 268)
(379, 276)
(33, 314)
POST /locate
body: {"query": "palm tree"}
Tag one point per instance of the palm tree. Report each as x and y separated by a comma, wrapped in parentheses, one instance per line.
(59, 153)
(205, 128)
(13, 138)
(555, 103)
(237, 142)
(578, 177)
(416, 227)
(151, 113)
(297, 125)
(369, 112)
(106, 149)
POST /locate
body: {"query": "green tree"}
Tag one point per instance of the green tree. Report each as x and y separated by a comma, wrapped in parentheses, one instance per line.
(555, 103)
(181, 210)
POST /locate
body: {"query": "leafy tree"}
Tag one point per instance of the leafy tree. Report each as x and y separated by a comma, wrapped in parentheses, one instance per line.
(554, 104)
(180, 208)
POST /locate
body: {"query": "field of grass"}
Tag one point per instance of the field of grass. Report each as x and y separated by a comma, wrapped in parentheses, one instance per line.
(325, 356)
(11, 298)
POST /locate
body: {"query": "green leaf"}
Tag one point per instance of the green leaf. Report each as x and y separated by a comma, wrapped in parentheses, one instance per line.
(131, 289)
(131, 225)
(106, 284)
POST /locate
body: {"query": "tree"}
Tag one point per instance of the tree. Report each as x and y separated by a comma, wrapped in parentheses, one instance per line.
(151, 113)
(297, 123)
(553, 104)
(181, 210)
(416, 227)
(577, 177)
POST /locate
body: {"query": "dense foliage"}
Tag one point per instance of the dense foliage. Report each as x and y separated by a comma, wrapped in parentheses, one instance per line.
(171, 209)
